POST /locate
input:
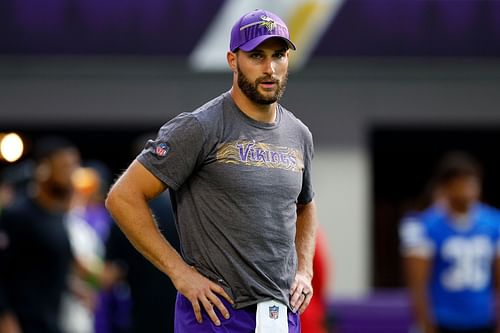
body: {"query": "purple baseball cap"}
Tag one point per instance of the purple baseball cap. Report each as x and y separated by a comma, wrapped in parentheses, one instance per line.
(255, 27)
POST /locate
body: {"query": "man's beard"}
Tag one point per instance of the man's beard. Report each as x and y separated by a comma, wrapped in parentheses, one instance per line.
(251, 89)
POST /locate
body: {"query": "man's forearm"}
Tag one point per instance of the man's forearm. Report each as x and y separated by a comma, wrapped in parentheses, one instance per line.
(422, 309)
(306, 236)
(496, 286)
(134, 218)
(417, 274)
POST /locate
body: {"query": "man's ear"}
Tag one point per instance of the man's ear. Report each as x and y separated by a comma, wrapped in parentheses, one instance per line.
(231, 61)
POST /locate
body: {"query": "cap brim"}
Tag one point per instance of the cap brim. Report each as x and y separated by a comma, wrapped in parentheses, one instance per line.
(252, 44)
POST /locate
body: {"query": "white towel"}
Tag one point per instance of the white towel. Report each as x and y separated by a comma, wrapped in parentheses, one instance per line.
(271, 317)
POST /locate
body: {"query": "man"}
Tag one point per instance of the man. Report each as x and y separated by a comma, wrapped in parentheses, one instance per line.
(239, 169)
(451, 253)
(37, 256)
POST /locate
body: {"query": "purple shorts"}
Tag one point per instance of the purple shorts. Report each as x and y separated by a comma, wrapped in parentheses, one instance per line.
(241, 320)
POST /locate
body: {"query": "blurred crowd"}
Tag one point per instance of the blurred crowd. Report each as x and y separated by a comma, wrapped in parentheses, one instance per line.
(65, 267)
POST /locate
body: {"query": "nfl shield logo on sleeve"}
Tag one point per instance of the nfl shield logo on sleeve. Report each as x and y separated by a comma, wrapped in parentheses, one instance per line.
(162, 149)
(274, 312)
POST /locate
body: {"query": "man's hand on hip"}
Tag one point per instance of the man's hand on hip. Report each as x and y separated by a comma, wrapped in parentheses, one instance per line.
(200, 290)
(301, 292)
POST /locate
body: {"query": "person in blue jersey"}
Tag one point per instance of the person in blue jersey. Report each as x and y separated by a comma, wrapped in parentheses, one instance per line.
(451, 252)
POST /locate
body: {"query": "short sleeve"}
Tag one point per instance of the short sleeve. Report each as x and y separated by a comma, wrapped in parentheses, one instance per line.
(307, 193)
(176, 152)
(414, 238)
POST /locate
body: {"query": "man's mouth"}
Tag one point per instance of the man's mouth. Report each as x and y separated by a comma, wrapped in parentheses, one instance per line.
(268, 84)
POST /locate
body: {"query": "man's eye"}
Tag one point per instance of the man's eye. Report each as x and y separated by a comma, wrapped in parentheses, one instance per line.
(256, 55)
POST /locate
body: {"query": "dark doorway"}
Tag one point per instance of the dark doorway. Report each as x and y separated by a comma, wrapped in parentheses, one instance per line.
(403, 161)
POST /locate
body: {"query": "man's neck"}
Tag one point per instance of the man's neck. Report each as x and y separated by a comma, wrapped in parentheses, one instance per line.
(265, 113)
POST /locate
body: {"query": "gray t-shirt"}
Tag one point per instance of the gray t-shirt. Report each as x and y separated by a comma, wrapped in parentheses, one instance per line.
(236, 184)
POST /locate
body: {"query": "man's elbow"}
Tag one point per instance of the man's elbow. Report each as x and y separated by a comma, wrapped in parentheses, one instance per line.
(112, 199)
(123, 196)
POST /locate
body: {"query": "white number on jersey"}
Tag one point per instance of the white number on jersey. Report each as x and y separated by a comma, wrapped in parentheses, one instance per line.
(470, 263)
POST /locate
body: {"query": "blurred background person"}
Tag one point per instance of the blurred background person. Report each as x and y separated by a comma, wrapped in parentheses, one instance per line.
(38, 258)
(91, 183)
(451, 253)
(88, 225)
(13, 181)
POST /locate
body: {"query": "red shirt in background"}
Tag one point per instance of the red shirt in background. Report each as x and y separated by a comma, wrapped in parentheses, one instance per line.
(313, 320)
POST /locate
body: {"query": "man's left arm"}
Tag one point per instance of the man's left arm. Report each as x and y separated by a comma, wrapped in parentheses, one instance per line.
(301, 291)
(496, 285)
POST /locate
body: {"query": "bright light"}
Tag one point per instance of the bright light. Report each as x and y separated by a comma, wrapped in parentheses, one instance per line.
(11, 147)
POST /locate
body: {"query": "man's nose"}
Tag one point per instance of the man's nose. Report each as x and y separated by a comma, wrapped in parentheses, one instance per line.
(269, 67)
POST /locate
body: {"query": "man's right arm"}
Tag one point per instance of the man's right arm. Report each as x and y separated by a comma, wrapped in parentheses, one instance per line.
(417, 251)
(127, 202)
(417, 275)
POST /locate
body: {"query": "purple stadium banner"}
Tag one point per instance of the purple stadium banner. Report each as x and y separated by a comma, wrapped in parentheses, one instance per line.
(174, 27)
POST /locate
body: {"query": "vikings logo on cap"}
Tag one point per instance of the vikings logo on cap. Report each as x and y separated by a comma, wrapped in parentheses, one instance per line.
(255, 27)
(267, 22)
(274, 312)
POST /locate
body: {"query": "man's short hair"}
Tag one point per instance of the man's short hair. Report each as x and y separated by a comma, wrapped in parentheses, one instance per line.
(46, 147)
(457, 164)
